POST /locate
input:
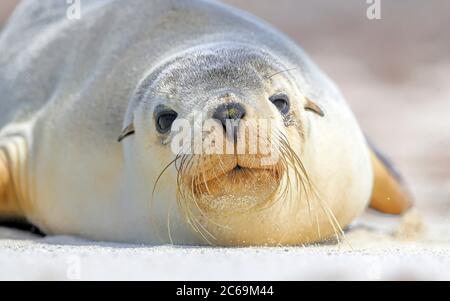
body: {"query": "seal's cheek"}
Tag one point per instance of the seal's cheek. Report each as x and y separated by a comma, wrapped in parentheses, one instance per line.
(335, 154)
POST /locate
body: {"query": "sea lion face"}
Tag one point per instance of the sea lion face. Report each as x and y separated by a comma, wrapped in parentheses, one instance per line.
(228, 123)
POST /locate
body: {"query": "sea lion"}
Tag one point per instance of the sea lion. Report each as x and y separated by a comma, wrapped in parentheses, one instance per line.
(88, 115)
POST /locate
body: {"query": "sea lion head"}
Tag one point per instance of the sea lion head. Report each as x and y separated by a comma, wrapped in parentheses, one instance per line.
(223, 128)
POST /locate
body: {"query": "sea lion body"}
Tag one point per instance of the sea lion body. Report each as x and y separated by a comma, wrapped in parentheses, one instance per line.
(68, 88)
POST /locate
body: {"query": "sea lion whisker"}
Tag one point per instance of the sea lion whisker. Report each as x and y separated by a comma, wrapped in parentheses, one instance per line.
(194, 199)
(267, 204)
(280, 72)
(299, 178)
(187, 197)
(317, 195)
(194, 219)
(204, 181)
(162, 172)
(169, 231)
(330, 217)
(330, 214)
(152, 200)
(181, 196)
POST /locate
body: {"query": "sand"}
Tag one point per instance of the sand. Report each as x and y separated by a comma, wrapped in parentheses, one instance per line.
(369, 252)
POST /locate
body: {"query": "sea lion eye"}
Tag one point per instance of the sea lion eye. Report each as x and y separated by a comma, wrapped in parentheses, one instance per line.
(164, 120)
(281, 101)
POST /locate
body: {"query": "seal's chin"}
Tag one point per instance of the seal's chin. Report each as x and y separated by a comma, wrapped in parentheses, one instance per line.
(238, 189)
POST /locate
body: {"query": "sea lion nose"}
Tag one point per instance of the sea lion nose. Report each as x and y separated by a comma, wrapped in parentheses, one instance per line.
(230, 114)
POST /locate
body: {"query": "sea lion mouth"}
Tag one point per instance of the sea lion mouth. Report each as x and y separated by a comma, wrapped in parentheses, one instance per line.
(236, 175)
(237, 189)
(233, 172)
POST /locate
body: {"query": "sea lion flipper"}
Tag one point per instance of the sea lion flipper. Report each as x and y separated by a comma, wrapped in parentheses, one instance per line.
(8, 206)
(389, 193)
(4, 183)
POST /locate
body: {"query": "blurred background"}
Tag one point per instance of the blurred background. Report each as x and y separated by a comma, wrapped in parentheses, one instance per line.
(394, 72)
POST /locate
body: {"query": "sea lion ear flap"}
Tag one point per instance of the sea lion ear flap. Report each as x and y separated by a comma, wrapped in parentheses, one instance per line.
(311, 106)
(128, 131)
(389, 193)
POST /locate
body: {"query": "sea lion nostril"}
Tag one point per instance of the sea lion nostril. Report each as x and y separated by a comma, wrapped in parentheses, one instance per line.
(231, 112)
